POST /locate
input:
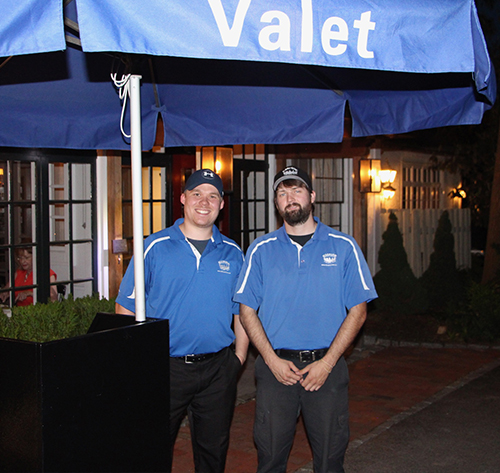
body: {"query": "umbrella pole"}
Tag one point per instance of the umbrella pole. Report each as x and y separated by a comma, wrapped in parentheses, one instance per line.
(136, 151)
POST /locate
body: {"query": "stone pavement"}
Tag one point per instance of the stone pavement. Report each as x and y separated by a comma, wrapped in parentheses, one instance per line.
(389, 385)
(455, 433)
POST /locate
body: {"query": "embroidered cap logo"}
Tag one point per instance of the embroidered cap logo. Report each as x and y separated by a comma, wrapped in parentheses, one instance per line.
(290, 171)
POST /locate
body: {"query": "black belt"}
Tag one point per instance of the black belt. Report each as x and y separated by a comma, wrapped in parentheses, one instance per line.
(304, 356)
(197, 358)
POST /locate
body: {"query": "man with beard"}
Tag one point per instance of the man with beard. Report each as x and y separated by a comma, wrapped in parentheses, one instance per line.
(303, 292)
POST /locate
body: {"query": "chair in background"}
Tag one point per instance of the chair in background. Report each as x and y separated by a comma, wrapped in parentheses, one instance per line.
(61, 292)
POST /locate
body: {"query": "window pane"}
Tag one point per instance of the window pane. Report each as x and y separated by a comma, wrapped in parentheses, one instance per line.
(25, 271)
(158, 216)
(4, 267)
(82, 261)
(250, 185)
(4, 181)
(58, 181)
(82, 221)
(261, 214)
(4, 225)
(158, 184)
(59, 261)
(81, 183)
(58, 222)
(251, 215)
(146, 219)
(260, 178)
(22, 216)
(82, 289)
(242, 195)
(145, 183)
(22, 181)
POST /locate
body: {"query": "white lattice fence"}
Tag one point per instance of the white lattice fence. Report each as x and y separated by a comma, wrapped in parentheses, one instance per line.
(418, 228)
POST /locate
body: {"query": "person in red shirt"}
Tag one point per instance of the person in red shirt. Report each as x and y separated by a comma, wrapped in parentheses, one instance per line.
(24, 277)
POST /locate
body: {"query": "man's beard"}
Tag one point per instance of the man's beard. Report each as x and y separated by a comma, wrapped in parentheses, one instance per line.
(297, 215)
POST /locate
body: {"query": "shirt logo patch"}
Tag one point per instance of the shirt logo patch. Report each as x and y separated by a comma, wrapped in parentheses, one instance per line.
(329, 259)
(224, 266)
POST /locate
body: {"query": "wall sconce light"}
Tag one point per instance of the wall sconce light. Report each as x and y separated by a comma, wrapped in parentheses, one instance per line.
(388, 192)
(458, 192)
(369, 179)
(220, 160)
(387, 177)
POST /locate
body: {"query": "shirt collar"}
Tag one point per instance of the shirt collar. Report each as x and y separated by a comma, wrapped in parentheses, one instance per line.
(178, 235)
(321, 232)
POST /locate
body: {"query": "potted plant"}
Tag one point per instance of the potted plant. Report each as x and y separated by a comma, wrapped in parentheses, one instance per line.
(83, 389)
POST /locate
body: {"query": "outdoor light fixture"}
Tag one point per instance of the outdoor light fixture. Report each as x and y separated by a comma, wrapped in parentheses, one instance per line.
(458, 192)
(388, 192)
(387, 177)
(369, 179)
(220, 160)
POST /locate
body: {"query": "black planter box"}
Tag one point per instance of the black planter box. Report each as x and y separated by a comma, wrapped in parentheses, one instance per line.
(95, 403)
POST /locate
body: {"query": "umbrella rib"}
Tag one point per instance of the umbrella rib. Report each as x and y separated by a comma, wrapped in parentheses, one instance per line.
(73, 40)
(6, 61)
(324, 80)
(73, 27)
(155, 89)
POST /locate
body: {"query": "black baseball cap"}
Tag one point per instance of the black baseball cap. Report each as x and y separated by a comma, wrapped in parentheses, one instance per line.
(291, 172)
(204, 176)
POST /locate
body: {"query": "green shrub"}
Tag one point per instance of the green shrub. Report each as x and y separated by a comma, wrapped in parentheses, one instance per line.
(55, 320)
(478, 318)
(441, 279)
(397, 287)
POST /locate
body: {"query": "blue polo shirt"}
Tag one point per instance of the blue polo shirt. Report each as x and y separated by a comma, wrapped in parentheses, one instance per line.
(302, 293)
(194, 292)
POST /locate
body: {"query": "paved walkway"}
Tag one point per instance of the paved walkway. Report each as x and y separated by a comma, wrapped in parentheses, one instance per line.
(387, 384)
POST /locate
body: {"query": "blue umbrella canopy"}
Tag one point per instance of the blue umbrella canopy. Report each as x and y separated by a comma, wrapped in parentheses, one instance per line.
(236, 71)
(31, 26)
(241, 71)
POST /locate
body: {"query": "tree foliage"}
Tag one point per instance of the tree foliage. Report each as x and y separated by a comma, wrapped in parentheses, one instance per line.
(398, 288)
(441, 279)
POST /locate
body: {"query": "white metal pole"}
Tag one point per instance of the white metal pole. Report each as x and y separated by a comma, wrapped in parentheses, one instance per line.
(136, 149)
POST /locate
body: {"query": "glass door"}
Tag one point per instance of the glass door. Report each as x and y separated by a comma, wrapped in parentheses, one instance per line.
(71, 227)
(18, 243)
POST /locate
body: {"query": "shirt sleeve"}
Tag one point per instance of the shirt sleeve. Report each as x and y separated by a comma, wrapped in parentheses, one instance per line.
(249, 288)
(126, 294)
(235, 304)
(359, 286)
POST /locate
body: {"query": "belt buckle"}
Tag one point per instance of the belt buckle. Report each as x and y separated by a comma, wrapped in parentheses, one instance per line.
(309, 356)
(188, 359)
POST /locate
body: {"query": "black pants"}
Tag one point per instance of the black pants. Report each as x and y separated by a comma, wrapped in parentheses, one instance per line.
(325, 414)
(206, 390)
